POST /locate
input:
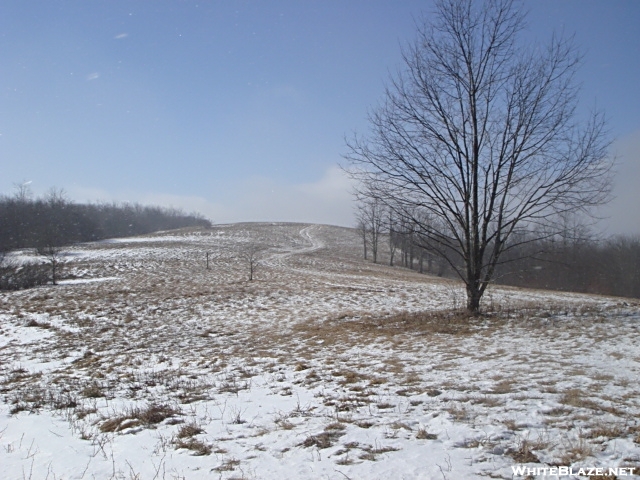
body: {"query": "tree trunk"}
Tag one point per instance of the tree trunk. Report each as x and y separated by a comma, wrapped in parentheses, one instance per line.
(474, 294)
(364, 243)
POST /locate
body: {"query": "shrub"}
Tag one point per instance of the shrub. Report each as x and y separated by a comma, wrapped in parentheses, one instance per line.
(20, 276)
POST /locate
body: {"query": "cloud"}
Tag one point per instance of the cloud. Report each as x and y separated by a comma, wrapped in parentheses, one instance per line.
(326, 200)
(121, 36)
(93, 76)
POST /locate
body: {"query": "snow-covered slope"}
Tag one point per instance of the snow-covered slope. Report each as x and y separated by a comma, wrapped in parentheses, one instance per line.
(148, 365)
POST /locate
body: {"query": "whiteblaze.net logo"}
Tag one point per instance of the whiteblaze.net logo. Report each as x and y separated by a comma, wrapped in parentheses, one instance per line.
(521, 470)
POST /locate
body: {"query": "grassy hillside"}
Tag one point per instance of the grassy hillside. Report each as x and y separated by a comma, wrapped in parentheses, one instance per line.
(146, 364)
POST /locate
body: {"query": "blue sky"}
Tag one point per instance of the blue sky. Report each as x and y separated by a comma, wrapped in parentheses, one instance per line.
(239, 109)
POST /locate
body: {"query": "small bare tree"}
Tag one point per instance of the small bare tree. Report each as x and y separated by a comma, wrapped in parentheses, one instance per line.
(53, 235)
(370, 217)
(481, 135)
(392, 230)
(55, 258)
(361, 228)
(252, 256)
(23, 192)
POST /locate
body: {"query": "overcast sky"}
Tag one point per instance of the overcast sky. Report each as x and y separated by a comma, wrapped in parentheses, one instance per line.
(239, 109)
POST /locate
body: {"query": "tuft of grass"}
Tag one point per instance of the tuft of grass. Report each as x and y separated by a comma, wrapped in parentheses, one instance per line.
(63, 400)
(228, 465)
(189, 430)
(605, 430)
(364, 423)
(458, 412)
(136, 416)
(523, 453)
(327, 438)
(422, 434)
(30, 400)
(512, 425)
(232, 385)
(155, 413)
(198, 447)
(575, 451)
(502, 387)
(34, 323)
(92, 391)
(285, 423)
(349, 376)
(371, 452)
(236, 417)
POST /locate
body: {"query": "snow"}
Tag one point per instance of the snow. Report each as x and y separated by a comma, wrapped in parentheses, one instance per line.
(306, 372)
(75, 281)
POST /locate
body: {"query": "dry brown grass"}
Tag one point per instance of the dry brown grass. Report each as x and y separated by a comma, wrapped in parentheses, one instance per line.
(605, 431)
(228, 465)
(198, 447)
(575, 451)
(189, 430)
(422, 434)
(504, 386)
(578, 398)
(459, 413)
(371, 452)
(374, 366)
(523, 453)
(136, 416)
(327, 438)
(93, 391)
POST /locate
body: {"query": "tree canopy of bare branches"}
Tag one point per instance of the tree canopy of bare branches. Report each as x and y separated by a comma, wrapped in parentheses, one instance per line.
(478, 138)
(252, 255)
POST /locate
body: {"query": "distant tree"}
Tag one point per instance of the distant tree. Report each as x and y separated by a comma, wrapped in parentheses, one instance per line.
(54, 230)
(252, 256)
(361, 228)
(55, 258)
(26, 222)
(392, 231)
(370, 215)
(50, 223)
(480, 134)
(23, 191)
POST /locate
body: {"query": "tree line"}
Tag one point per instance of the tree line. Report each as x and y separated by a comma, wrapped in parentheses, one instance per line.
(50, 223)
(54, 221)
(572, 259)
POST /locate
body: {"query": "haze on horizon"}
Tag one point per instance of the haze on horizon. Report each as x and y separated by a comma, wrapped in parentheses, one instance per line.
(239, 109)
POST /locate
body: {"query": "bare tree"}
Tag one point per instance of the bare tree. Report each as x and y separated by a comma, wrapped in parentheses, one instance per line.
(23, 192)
(361, 228)
(53, 235)
(392, 232)
(370, 217)
(252, 256)
(54, 257)
(482, 135)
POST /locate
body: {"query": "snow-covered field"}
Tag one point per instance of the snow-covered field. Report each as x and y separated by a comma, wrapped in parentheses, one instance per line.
(147, 365)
